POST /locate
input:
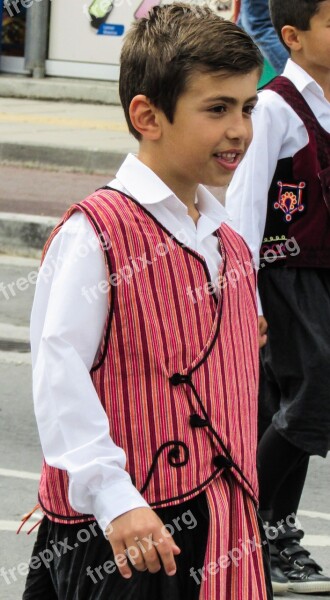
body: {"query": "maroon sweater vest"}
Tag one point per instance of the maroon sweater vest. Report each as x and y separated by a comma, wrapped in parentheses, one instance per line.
(299, 195)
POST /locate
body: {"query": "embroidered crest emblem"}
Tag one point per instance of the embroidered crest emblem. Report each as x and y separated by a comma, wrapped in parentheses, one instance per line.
(290, 199)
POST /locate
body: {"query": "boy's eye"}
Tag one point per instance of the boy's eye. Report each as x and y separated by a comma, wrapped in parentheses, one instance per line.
(249, 109)
(218, 109)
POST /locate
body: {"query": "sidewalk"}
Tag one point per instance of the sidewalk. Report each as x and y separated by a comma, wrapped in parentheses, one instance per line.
(52, 154)
(85, 137)
(59, 88)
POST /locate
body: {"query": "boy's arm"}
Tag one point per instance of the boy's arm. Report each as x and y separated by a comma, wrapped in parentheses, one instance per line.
(66, 329)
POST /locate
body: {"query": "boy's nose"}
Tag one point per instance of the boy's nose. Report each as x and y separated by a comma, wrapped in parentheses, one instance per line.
(240, 129)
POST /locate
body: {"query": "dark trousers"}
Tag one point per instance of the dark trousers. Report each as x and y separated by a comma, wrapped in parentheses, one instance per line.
(78, 562)
(294, 394)
(295, 376)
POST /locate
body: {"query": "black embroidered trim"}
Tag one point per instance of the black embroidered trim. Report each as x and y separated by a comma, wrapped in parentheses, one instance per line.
(222, 462)
(217, 437)
(178, 378)
(224, 258)
(197, 489)
(196, 421)
(64, 518)
(173, 455)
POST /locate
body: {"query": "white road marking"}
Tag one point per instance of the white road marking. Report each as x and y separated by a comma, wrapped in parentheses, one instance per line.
(18, 261)
(14, 332)
(15, 358)
(9, 525)
(316, 540)
(19, 474)
(314, 515)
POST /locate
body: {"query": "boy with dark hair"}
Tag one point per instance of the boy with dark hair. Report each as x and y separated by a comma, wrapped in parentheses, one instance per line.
(129, 368)
(280, 202)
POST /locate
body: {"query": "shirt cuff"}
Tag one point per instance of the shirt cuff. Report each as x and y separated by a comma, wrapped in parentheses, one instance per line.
(114, 501)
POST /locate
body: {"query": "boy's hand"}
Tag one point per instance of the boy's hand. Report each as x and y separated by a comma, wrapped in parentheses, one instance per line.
(263, 326)
(140, 536)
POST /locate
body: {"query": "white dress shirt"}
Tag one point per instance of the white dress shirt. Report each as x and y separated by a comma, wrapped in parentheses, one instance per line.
(278, 133)
(66, 331)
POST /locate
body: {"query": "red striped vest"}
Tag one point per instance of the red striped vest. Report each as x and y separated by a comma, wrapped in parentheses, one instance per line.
(177, 371)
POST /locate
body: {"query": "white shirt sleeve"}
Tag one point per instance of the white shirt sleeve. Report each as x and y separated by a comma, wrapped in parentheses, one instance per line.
(278, 133)
(66, 330)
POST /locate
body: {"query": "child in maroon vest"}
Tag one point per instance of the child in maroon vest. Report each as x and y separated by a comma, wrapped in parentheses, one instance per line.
(280, 202)
(144, 342)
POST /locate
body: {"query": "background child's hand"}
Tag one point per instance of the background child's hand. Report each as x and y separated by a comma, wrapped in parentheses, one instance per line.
(263, 326)
(140, 536)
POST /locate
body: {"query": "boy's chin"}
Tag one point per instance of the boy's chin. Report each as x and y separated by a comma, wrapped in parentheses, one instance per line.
(222, 181)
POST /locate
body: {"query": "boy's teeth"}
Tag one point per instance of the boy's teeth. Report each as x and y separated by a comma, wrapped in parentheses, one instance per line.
(227, 155)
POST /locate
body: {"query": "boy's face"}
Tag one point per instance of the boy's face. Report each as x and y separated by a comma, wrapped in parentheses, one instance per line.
(211, 132)
(315, 42)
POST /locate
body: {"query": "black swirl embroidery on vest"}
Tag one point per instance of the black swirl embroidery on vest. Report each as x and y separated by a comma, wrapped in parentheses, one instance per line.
(173, 458)
(225, 460)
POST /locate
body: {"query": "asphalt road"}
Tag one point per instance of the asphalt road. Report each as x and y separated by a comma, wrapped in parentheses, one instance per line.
(45, 192)
(49, 193)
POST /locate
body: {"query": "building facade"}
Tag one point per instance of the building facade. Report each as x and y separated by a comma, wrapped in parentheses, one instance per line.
(79, 38)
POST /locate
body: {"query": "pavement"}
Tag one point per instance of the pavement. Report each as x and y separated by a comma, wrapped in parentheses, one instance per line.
(59, 88)
(84, 137)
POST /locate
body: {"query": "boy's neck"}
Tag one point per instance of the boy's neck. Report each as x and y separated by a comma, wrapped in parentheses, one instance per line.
(320, 75)
(182, 190)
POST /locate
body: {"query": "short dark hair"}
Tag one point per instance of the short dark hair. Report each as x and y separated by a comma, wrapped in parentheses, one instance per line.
(161, 51)
(296, 13)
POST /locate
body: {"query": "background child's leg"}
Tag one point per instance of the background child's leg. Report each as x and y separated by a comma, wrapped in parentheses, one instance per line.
(282, 469)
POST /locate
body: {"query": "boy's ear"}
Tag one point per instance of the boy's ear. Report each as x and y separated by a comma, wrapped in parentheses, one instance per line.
(291, 37)
(144, 117)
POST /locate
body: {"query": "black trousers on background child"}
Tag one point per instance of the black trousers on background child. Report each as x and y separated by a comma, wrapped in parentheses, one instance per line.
(294, 416)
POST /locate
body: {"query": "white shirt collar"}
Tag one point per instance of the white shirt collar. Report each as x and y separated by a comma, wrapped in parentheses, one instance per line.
(301, 79)
(141, 182)
(147, 188)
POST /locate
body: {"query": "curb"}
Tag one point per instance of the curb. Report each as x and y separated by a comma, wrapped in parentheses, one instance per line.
(88, 161)
(14, 338)
(24, 235)
(60, 88)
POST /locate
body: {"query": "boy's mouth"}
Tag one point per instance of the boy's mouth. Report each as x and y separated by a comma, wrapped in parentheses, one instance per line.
(228, 160)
